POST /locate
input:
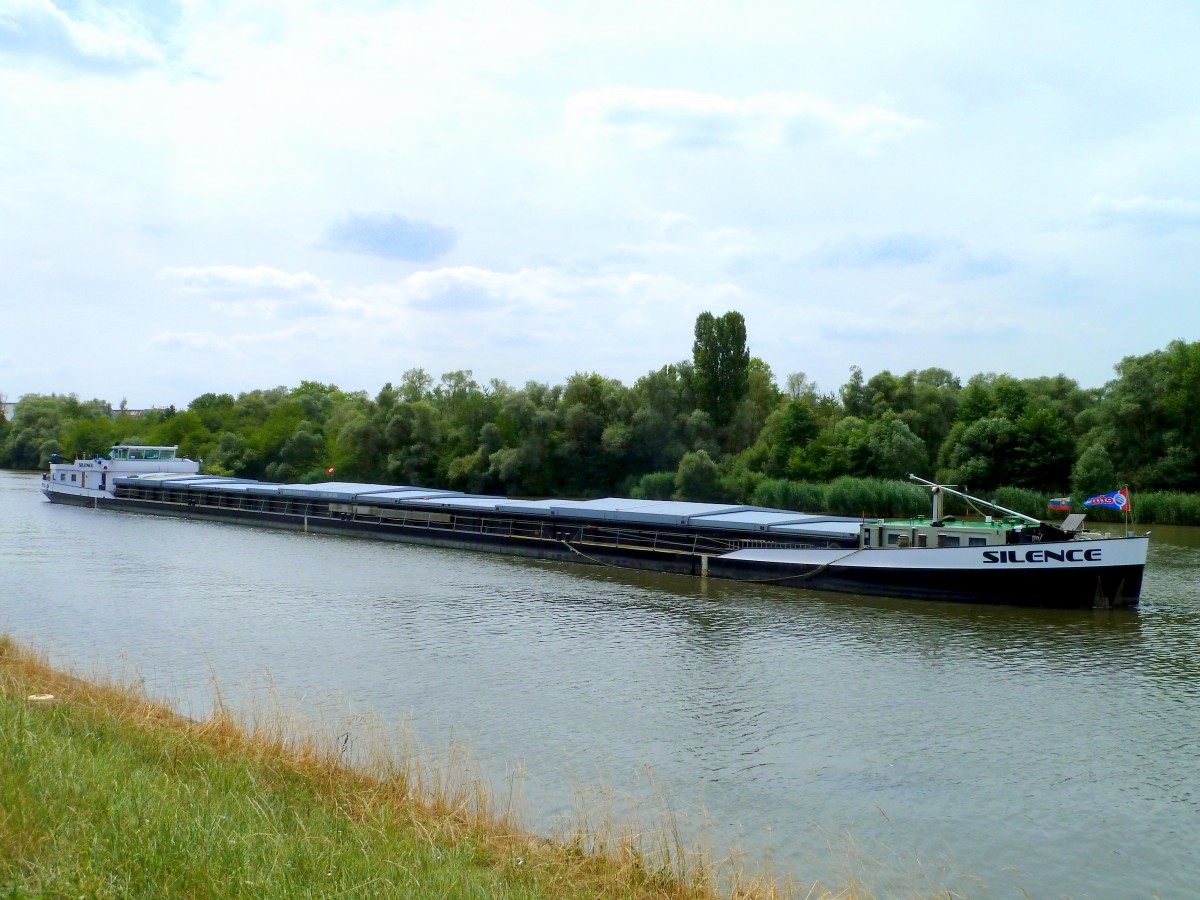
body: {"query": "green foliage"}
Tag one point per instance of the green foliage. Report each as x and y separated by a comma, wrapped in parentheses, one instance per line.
(761, 399)
(980, 454)
(1093, 474)
(37, 430)
(213, 409)
(594, 436)
(5, 428)
(779, 493)
(661, 401)
(789, 428)
(738, 481)
(892, 450)
(1022, 500)
(722, 364)
(1154, 407)
(845, 496)
(104, 794)
(1165, 507)
(654, 486)
(88, 438)
(233, 455)
(976, 400)
(697, 478)
(854, 395)
(875, 497)
(1044, 448)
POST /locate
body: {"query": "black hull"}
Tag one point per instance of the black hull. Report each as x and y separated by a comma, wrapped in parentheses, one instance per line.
(1079, 588)
(75, 500)
(1065, 588)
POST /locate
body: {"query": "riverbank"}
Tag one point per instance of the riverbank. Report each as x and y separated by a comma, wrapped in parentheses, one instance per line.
(104, 792)
(872, 497)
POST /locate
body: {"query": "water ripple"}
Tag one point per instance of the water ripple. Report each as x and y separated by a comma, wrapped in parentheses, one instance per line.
(1043, 751)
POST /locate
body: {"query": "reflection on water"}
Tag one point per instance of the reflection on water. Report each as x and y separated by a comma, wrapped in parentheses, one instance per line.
(1048, 751)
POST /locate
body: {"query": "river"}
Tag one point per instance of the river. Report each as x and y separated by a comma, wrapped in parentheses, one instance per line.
(991, 751)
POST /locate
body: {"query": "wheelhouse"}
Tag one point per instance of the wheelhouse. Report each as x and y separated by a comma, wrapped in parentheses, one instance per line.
(139, 452)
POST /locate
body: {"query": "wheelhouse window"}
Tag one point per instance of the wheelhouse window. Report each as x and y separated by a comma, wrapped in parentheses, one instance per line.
(159, 453)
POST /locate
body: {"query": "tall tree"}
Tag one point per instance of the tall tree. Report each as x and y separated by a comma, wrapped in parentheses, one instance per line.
(722, 364)
(1092, 474)
(5, 427)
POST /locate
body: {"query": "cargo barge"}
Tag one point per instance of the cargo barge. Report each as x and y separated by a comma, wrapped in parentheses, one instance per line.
(1006, 558)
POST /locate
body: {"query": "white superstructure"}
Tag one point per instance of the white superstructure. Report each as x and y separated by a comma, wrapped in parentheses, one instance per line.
(91, 479)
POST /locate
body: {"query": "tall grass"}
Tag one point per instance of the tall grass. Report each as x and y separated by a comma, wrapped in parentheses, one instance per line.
(1022, 500)
(779, 493)
(1162, 508)
(106, 793)
(846, 496)
(875, 497)
(1150, 508)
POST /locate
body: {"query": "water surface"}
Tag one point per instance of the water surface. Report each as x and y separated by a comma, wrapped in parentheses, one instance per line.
(997, 751)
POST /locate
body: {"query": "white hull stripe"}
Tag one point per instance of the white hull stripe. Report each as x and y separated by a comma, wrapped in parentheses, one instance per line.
(1072, 554)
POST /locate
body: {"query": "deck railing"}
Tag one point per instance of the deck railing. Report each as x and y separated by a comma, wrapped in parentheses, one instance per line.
(683, 541)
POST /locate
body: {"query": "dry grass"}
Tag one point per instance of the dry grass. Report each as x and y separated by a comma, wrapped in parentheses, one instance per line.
(137, 789)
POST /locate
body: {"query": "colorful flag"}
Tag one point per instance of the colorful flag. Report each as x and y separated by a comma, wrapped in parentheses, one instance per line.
(329, 471)
(1118, 500)
(1060, 504)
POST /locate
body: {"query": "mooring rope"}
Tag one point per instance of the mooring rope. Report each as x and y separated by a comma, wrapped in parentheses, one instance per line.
(817, 571)
(599, 562)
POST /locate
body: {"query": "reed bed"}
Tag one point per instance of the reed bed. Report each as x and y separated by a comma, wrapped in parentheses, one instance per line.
(105, 792)
(1162, 508)
(846, 496)
(1148, 508)
(1022, 500)
(880, 498)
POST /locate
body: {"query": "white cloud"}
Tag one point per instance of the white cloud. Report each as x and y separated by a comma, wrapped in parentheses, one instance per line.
(902, 249)
(541, 292)
(39, 28)
(260, 291)
(607, 172)
(449, 317)
(192, 340)
(653, 118)
(920, 316)
(237, 278)
(675, 222)
(1161, 213)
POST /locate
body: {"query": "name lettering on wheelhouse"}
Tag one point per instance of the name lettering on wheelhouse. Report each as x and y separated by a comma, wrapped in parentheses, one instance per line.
(1075, 554)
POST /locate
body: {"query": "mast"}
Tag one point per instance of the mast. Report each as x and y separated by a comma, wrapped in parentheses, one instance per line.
(937, 490)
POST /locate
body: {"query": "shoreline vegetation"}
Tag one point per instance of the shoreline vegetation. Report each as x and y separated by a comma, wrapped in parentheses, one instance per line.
(106, 792)
(718, 427)
(883, 498)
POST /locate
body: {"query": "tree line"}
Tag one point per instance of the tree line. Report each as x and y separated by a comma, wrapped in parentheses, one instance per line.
(717, 426)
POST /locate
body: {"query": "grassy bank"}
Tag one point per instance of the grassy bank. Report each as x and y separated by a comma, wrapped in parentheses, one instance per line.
(105, 793)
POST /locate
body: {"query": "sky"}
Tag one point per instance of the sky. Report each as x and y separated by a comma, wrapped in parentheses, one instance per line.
(223, 196)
